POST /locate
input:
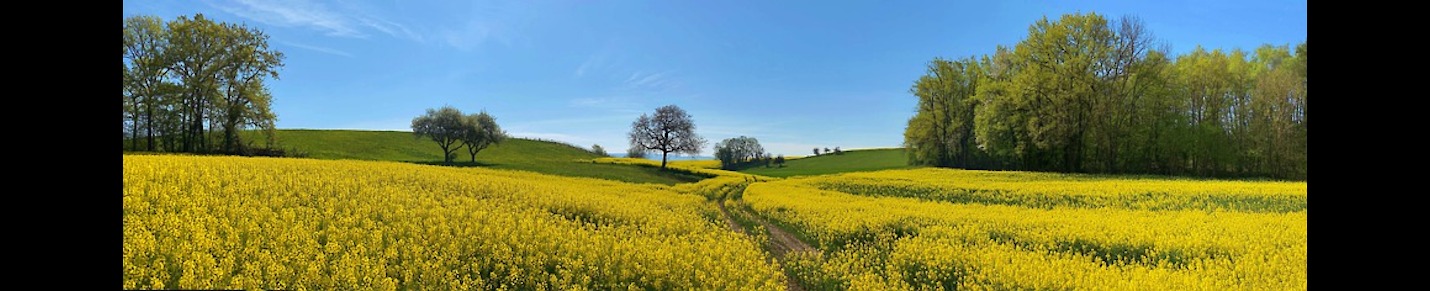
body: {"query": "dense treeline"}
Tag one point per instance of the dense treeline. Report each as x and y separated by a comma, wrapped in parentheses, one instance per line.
(1085, 94)
(192, 85)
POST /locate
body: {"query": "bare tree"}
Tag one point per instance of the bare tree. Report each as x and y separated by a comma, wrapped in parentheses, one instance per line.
(669, 130)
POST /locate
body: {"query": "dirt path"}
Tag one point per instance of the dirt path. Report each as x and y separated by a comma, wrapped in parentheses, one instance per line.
(781, 242)
(729, 221)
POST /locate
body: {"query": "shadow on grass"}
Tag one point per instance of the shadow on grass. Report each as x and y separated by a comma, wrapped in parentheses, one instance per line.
(454, 164)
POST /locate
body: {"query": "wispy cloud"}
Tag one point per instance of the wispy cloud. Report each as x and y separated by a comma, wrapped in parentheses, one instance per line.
(393, 29)
(337, 19)
(298, 13)
(655, 82)
(325, 50)
(489, 21)
(594, 62)
(623, 104)
(602, 61)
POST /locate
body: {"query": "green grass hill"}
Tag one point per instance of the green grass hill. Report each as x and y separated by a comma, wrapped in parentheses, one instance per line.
(850, 161)
(513, 154)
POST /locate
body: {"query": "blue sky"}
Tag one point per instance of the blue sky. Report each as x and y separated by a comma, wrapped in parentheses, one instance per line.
(793, 74)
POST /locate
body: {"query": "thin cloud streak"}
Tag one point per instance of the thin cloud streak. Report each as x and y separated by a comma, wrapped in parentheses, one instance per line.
(308, 14)
(317, 48)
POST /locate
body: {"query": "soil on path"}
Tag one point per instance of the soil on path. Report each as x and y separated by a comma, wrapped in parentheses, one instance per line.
(781, 242)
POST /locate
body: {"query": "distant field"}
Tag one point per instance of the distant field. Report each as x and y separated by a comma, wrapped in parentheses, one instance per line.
(514, 154)
(850, 161)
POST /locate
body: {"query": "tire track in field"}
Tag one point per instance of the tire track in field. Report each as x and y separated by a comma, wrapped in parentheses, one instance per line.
(781, 242)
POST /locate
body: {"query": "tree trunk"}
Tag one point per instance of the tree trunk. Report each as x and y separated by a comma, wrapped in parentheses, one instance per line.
(662, 159)
(149, 124)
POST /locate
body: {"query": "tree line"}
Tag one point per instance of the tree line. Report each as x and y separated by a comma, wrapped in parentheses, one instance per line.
(192, 85)
(1085, 94)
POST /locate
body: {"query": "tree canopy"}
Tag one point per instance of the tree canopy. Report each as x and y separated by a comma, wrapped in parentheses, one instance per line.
(479, 132)
(187, 78)
(737, 150)
(1085, 94)
(446, 126)
(671, 129)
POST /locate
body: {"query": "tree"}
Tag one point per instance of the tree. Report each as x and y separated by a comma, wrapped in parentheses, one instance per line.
(146, 65)
(635, 152)
(827, 151)
(816, 151)
(244, 100)
(671, 129)
(596, 148)
(780, 160)
(738, 150)
(941, 132)
(444, 126)
(188, 78)
(480, 131)
(837, 151)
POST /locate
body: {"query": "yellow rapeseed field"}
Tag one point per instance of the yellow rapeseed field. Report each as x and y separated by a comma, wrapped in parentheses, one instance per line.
(196, 222)
(946, 229)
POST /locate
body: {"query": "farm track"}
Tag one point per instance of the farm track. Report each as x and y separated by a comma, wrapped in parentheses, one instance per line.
(781, 241)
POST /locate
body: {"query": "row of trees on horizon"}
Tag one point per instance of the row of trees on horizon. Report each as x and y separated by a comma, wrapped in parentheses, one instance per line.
(1085, 94)
(192, 85)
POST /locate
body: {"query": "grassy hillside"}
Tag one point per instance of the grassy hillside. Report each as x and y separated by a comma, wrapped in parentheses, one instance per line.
(850, 161)
(514, 154)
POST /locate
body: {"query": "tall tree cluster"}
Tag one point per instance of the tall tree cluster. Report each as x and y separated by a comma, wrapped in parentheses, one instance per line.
(732, 152)
(192, 84)
(1085, 94)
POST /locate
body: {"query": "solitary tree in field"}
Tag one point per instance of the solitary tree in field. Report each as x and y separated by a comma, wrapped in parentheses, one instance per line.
(595, 148)
(444, 126)
(669, 130)
(480, 131)
(816, 151)
(780, 160)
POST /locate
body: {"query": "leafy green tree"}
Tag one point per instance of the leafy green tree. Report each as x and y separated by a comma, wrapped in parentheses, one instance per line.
(941, 133)
(187, 78)
(196, 45)
(596, 148)
(732, 152)
(247, 62)
(669, 130)
(479, 132)
(145, 66)
(445, 126)
(1085, 94)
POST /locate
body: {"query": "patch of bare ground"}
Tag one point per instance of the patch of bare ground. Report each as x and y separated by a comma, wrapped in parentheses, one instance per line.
(781, 242)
